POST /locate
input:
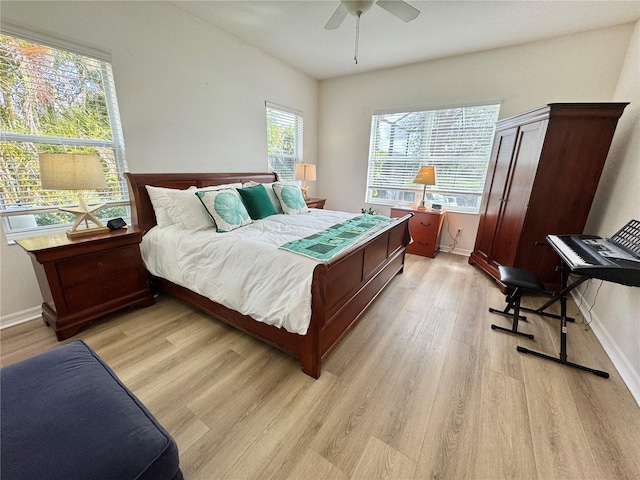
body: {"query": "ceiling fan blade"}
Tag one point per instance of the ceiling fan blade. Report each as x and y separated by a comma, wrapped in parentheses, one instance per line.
(400, 9)
(336, 19)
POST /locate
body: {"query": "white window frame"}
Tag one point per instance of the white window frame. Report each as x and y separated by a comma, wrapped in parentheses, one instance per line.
(428, 140)
(279, 160)
(18, 220)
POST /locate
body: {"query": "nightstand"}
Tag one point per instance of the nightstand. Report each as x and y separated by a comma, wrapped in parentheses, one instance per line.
(85, 278)
(315, 202)
(424, 228)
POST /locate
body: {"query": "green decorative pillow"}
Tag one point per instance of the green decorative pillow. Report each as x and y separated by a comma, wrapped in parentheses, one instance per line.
(257, 201)
(226, 209)
(291, 198)
(272, 195)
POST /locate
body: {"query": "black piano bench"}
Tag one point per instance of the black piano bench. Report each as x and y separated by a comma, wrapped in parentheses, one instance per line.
(520, 280)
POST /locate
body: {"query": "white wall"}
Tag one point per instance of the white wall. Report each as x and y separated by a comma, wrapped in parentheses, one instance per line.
(582, 67)
(616, 309)
(191, 98)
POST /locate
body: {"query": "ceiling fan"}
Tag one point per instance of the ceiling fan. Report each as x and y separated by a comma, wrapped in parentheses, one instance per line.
(397, 8)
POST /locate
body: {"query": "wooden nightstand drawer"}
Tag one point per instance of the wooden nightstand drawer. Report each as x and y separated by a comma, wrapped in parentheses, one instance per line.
(425, 238)
(87, 295)
(92, 267)
(422, 224)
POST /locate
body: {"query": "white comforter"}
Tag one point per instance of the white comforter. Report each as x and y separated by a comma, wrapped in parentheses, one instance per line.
(243, 269)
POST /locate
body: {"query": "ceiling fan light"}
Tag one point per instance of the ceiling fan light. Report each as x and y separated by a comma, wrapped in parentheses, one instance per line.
(357, 7)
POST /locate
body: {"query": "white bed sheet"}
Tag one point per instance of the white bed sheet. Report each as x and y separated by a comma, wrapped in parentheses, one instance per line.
(243, 269)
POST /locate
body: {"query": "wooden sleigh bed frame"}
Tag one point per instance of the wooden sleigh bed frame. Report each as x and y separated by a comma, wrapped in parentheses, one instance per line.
(341, 289)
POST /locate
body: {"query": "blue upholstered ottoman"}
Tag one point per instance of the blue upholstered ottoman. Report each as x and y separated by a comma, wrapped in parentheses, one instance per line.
(65, 415)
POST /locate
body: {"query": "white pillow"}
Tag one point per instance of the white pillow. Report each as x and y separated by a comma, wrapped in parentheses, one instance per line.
(226, 208)
(272, 195)
(291, 198)
(186, 209)
(161, 203)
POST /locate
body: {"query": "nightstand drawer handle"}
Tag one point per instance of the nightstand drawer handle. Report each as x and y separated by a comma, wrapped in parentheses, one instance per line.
(425, 224)
(425, 244)
(100, 265)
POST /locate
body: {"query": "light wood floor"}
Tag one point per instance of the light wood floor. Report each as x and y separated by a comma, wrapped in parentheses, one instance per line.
(421, 388)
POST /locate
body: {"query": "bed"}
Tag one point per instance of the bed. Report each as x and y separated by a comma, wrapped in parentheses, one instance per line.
(341, 288)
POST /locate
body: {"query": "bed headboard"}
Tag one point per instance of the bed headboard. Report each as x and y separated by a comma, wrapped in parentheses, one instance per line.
(142, 214)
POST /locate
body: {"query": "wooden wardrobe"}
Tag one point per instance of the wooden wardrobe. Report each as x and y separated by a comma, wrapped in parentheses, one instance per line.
(542, 176)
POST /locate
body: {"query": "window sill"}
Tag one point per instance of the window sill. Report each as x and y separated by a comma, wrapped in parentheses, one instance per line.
(448, 208)
(44, 231)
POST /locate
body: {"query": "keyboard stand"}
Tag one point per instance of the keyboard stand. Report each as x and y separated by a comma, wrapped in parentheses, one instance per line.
(557, 297)
(563, 326)
(554, 296)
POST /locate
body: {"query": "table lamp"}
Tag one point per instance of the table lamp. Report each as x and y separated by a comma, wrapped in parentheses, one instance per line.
(426, 176)
(304, 172)
(66, 171)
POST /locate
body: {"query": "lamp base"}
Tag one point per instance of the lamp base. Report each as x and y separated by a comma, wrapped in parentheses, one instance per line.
(84, 213)
(81, 232)
(304, 189)
(422, 206)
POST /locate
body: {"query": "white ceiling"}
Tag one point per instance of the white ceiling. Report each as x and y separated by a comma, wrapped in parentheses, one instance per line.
(293, 31)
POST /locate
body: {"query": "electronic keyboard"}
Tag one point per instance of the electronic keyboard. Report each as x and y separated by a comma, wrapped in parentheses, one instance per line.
(601, 258)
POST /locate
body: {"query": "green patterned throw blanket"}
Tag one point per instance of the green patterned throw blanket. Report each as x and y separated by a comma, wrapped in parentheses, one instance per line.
(327, 243)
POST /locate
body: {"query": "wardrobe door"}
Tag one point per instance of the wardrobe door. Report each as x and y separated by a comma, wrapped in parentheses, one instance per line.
(518, 192)
(495, 185)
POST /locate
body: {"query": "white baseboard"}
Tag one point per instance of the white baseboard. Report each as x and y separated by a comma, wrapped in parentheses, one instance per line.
(455, 251)
(20, 317)
(630, 377)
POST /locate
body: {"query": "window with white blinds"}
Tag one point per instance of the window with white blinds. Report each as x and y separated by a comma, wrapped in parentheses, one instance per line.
(54, 101)
(284, 140)
(456, 141)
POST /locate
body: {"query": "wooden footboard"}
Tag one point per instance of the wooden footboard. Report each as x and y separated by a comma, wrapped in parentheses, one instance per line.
(342, 288)
(346, 285)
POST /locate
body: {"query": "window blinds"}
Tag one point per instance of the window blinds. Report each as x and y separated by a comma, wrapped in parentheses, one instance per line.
(284, 140)
(457, 141)
(55, 101)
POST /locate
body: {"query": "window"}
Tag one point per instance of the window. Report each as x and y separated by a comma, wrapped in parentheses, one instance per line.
(284, 141)
(456, 141)
(54, 101)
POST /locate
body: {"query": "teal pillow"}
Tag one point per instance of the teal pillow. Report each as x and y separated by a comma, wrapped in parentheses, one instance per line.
(226, 208)
(257, 201)
(291, 198)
